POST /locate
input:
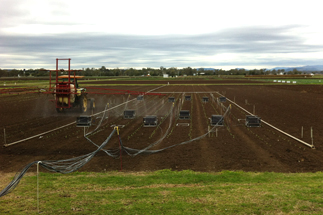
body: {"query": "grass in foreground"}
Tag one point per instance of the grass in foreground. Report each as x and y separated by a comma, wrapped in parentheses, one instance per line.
(167, 192)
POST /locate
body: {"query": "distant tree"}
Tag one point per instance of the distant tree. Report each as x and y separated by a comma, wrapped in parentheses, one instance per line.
(116, 72)
(188, 71)
(102, 71)
(131, 72)
(209, 72)
(147, 70)
(3, 73)
(294, 72)
(274, 72)
(163, 69)
(87, 72)
(219, 72)
(156, 73)
(262, 71)
(172, 71)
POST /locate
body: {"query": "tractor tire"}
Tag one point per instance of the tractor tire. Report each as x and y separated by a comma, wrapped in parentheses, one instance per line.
(92, 104)
(83, 104)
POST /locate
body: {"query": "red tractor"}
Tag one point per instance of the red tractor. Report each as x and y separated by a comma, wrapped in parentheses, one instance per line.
(67, 92)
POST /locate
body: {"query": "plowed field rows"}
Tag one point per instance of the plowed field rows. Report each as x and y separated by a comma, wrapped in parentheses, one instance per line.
(233, 147)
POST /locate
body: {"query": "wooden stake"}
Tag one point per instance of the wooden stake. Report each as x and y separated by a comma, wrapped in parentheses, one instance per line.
(302, 130)
(216, 132)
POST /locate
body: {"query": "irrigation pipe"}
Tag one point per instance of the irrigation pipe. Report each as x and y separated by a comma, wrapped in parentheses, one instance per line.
(187, 92)
(46, 132)
(277, 129)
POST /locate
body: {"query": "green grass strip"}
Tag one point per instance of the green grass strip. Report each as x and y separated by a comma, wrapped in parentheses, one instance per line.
(168, 192)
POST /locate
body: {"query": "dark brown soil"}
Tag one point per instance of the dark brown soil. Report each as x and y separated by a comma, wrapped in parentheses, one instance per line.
(235, 148)
(174, 81)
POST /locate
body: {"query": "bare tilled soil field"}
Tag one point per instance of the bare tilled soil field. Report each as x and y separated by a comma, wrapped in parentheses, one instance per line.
(180, 82)
(233, 147)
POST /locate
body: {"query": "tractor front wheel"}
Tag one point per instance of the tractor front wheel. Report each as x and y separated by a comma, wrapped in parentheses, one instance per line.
(83, 104)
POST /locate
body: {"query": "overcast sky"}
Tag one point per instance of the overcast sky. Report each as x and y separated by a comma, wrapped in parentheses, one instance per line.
(153, 33)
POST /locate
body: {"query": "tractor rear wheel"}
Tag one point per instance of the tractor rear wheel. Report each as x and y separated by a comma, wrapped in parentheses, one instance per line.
(83, 104)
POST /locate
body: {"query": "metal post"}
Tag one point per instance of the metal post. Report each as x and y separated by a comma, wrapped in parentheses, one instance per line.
(108, 109)
(120, 148)
(4, 135)
(302, 132)
(56, 71)
(38, 185)
(69, 72)
(312, 135)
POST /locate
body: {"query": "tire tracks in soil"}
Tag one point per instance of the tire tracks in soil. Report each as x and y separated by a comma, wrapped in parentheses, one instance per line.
(263, 158)
(206, 152)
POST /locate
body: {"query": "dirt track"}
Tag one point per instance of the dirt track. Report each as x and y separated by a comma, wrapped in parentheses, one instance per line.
(236, 147)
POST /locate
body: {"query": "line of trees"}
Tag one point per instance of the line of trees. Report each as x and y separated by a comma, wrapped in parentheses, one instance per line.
(172, 71)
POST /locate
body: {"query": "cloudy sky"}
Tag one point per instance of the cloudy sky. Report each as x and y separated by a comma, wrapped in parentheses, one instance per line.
(153, 33)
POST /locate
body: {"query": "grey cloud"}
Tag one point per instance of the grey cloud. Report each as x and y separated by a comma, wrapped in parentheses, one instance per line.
(95, 50)
(16, 12)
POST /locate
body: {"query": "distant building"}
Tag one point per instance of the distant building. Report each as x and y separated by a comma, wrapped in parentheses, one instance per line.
(165, 75)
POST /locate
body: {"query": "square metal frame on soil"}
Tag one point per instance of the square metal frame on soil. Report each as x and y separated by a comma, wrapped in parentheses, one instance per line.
(129, 114)
(223, 99)
(188, 98)
(171, 99)
(83, 121)
(253, 121)
(205, 99)
(140, 97)
(150, 121)
(217, 120)
(184, 114)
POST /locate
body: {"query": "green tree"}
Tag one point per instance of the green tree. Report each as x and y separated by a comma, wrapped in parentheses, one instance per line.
(188, 71)
(103, 71)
